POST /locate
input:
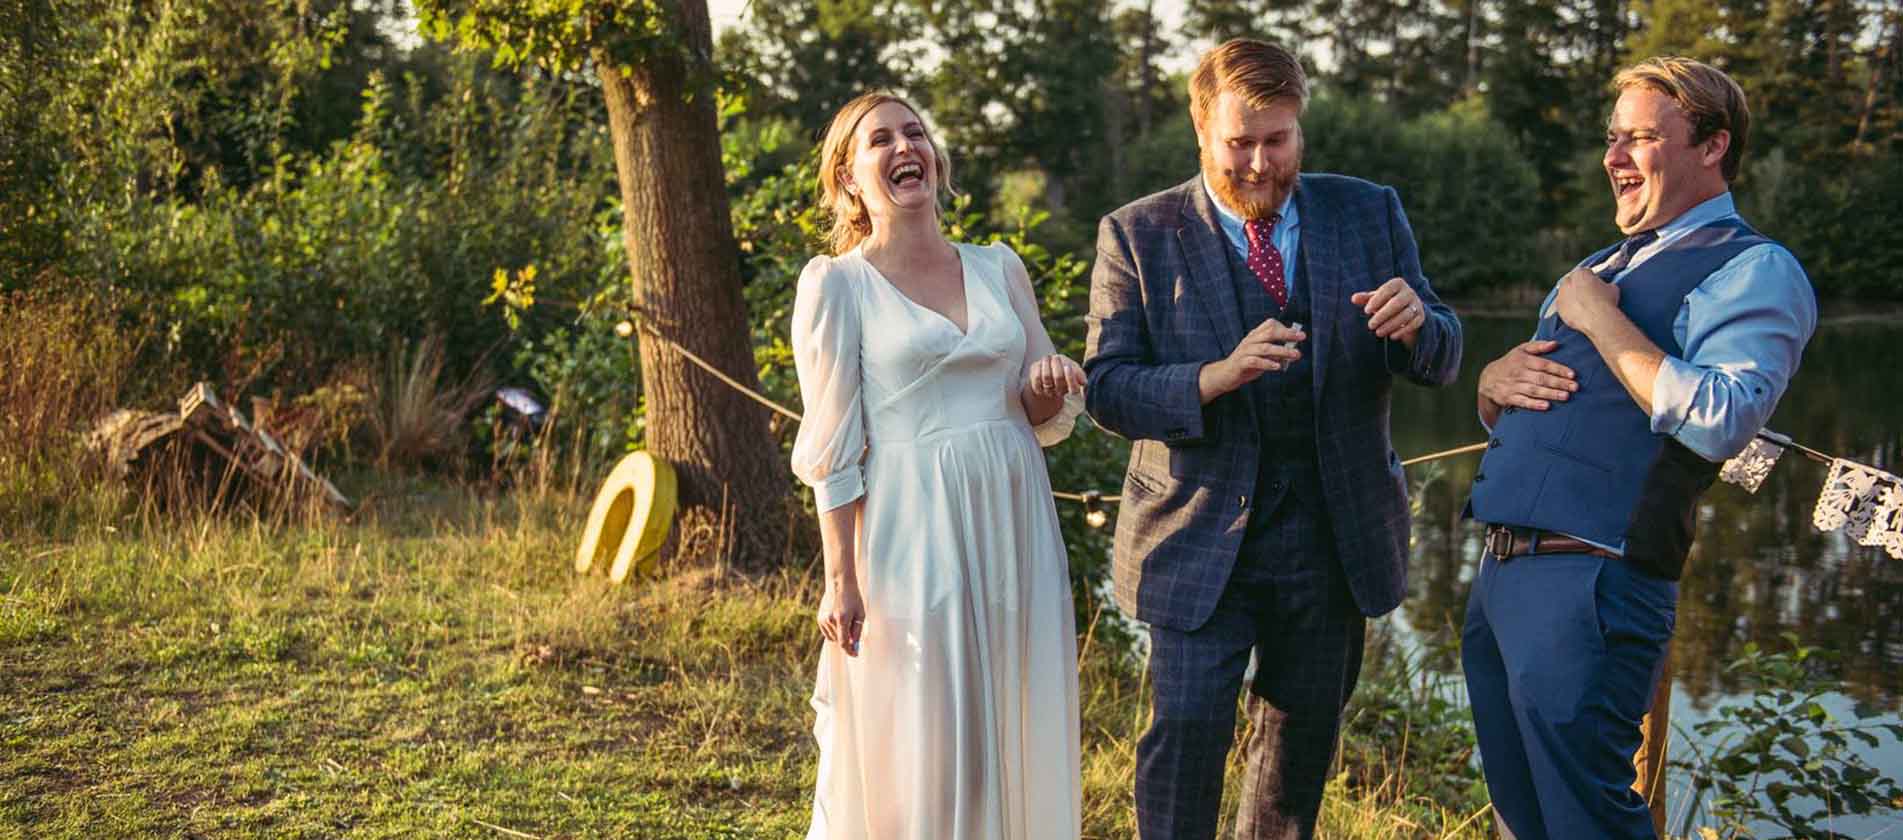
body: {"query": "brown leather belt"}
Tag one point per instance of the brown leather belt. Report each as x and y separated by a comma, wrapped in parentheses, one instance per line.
(1506, 543)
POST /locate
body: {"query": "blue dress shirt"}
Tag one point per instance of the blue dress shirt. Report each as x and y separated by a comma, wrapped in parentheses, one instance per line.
(1286, 238)
(1743, 331)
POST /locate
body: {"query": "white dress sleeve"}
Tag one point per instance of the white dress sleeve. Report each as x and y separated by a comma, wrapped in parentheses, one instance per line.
(832, 436)
(1037, 345)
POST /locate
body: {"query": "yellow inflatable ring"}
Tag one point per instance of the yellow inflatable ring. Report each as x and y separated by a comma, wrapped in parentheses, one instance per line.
(630, 517)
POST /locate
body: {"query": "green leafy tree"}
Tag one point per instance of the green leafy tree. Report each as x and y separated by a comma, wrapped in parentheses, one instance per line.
(1023, 97)
(30, 228)
(1412, 53)
(1469, 238)
(1291, 24)
(809, 57)
(653, 59)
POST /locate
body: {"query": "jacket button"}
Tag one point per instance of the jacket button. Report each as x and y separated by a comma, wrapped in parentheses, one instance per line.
(1242, 501)
(1493, 444)
(1512, 408)
(1478, 477)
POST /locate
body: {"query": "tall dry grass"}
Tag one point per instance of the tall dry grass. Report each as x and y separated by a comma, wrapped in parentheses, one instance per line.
(416, 416)
(65, 362)
(68, 358)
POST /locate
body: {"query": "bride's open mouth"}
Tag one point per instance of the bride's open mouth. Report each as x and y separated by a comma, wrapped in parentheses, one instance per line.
(907, 173)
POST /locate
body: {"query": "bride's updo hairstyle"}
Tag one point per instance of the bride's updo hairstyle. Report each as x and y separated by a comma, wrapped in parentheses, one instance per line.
(851, 222)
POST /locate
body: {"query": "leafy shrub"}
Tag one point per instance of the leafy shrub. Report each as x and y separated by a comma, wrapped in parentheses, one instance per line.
(1468, 191)
(312, 263)
(1782, 757)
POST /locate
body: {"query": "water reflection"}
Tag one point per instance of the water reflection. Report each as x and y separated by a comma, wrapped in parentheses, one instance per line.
(1758, 569)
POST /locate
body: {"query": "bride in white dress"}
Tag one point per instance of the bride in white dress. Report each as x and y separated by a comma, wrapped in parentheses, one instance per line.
(947, 686)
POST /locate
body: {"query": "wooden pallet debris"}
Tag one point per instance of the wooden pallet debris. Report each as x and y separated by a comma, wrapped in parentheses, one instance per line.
(204, 419)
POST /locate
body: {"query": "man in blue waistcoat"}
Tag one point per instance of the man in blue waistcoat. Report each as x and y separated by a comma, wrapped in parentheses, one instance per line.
(1654, 361)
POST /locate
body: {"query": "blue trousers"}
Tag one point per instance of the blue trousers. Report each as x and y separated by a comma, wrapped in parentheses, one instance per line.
(1561, 653)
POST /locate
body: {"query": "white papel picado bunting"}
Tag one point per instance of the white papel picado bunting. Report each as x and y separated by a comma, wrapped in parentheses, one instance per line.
(1753, 465)
(1865, 503)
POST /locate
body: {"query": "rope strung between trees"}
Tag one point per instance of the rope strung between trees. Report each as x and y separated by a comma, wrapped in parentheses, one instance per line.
(626, 328)
(1089, 498)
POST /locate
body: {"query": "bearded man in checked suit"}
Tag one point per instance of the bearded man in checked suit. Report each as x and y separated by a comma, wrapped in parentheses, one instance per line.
(1245, 329)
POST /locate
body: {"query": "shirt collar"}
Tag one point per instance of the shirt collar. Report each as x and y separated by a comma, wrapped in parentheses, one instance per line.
(1233, 222)
(1710, 210)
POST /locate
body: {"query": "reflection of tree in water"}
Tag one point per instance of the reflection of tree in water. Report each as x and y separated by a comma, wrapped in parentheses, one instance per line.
(1758, 569)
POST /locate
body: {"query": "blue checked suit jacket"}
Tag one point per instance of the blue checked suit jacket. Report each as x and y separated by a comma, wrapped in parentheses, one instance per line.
(1162, 305)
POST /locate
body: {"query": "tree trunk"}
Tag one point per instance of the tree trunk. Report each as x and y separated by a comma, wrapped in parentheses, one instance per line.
(1471, 85)
(1654, 733)
(1880, 58)
(1117, 99)
(1146, 73)
(679, 239)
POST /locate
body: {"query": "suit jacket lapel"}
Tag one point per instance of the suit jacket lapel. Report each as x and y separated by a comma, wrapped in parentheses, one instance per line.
(1202, 240)
(1320, 254)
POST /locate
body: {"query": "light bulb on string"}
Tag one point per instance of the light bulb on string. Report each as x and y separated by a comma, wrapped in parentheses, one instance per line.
(1094, 514)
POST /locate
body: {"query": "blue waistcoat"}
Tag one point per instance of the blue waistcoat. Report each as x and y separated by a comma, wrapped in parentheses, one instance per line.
(1591, 466)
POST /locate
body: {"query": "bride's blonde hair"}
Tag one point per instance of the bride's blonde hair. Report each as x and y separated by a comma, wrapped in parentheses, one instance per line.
(851, 222)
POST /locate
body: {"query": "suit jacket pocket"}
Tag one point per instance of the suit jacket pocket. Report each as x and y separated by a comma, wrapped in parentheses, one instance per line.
(1137, 484)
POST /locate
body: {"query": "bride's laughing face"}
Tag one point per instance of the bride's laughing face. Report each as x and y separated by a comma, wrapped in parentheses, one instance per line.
(893, 169)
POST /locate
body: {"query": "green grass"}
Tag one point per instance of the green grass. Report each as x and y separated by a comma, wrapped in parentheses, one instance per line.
(434, 667)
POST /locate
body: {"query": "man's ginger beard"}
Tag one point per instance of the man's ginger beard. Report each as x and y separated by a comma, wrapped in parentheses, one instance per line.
(1232, 197)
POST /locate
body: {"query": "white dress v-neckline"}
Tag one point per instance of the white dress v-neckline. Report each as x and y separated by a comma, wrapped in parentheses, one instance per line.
(964, 290)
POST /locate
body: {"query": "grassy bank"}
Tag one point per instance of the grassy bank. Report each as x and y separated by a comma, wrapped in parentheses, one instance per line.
(435, 668)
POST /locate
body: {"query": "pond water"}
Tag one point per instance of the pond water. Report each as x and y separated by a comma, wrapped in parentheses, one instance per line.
(1758, 570)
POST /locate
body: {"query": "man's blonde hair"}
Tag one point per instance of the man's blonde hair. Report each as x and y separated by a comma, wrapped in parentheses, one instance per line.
(851, 222)
(1257, 71)
(1708, 97)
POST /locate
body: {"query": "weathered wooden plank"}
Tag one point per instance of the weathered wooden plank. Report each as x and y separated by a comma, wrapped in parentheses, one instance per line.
(217, 426)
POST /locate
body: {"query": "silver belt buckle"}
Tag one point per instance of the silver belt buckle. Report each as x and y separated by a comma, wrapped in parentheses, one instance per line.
(1500, 541)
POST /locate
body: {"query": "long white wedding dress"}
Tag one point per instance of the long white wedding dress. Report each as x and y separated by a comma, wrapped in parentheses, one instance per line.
(958, 719)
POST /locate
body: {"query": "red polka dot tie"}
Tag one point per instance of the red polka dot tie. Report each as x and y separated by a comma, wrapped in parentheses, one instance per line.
(1264, 260)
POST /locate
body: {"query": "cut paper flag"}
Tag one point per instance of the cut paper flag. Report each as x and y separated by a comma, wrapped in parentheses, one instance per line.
(1867, 503)
(1885, 528)
(1750, 467)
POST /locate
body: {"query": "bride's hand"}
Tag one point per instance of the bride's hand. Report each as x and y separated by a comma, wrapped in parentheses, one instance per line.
(842, 616)
(1055, 376)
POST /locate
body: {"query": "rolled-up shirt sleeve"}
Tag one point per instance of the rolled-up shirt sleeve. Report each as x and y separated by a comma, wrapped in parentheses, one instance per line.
(831, 445)
(1743, 331)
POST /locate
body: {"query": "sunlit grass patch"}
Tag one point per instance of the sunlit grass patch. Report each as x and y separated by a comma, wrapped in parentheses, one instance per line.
(432, 665)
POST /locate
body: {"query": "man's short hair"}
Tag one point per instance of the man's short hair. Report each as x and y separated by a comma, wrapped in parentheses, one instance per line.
(1257, 71)
(1709, 98)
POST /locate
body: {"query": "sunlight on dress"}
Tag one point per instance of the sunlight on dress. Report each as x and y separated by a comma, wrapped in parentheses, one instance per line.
(959, 717)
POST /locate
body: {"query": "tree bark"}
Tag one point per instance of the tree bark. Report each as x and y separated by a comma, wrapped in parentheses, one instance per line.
(679, 239)
(1880, 59)
(1471, 85)
(1654, 733)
